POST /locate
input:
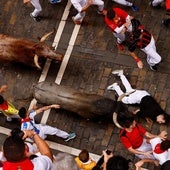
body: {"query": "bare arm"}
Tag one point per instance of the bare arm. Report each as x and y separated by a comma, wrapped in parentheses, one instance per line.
(134, 151)
(40, 143)
(141, 162)
(137, 59)
(40, 110)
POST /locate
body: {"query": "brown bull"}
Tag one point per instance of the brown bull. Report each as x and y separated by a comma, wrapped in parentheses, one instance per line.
(25, 51)
(89, 106)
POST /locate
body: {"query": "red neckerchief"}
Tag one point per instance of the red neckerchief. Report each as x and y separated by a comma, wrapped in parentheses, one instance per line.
(23, 165)
(157, 149)
(4, 105)
(26, 120)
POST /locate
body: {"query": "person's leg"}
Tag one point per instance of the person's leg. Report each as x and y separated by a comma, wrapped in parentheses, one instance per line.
(37, 7)
(115, 87)
(100, 4)
(155, 3)
(49, 130)
(153, 57)
(126, 83)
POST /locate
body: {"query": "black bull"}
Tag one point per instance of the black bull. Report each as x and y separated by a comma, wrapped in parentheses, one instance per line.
(89, 106)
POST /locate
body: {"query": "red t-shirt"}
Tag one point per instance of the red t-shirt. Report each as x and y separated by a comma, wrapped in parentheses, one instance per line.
(132, 139)
(167, 4)
(121, 14)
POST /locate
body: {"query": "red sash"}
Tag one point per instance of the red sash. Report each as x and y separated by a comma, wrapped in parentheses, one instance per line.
(4, 105)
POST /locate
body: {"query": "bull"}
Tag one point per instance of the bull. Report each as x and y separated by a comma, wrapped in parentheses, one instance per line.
(26, 51)
(88, 106)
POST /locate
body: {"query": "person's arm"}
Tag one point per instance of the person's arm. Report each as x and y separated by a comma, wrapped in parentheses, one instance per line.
(134, 151)
(40, 143)
(3, 88)
(137, 59)
(141, 162)
(106, 158)
(40, 110)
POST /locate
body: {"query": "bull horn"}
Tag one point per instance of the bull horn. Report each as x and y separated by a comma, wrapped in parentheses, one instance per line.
(44, 37)
(115, 114)
(36, 62)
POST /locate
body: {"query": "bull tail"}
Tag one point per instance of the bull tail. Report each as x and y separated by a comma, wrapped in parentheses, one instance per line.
(44, 37)
(36, 62)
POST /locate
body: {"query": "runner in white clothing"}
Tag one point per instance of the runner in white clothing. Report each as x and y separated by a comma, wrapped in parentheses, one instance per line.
(28, 123)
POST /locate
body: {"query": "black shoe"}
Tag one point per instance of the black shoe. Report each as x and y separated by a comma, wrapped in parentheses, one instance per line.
(37, 19)
(154, 68)
(166, 22)
(156, 7)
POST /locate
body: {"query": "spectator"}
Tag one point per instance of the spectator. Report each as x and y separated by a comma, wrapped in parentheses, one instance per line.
(6, 107)
(15, 151)
(84, 161)
(64, 161)
(118, 21)
(28, 123)
(82, 5)
(149, 108)
(133, 137)
(127, 3)
(112, 162)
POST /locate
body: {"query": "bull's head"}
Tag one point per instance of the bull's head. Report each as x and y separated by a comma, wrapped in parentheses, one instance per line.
(41, 49)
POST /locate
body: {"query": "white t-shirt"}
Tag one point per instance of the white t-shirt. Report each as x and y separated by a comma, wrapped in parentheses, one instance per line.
(161, 157)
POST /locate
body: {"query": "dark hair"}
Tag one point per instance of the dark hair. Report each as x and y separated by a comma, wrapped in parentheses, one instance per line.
(165, 145)
(14, 149)
(117, 163)
(84, 155)
(125, 119)
(166, 165)
(1, 99)
(166, 117)
(17, 133)
(22, 112)
(111, 14)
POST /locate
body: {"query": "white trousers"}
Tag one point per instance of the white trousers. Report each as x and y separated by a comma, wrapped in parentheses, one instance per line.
(152, 56)
(133, 98)
(81, 15)
(144, 148)
(156, 2)
(37, 7)
(123, 2)
(49, 130)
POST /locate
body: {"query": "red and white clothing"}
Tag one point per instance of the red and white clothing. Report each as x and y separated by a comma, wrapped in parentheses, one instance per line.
(41, 130)
(161, 156)
(79, 4)
(116, 28)
(41, 162)
(136, 140)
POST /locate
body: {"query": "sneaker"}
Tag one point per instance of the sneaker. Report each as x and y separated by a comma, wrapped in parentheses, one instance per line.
(71, 136)
(118, 72)
(104, 12)
(37, 19)
(120, 47)
(78, 22)
(112, 86)
(154, 68)
(135, 8)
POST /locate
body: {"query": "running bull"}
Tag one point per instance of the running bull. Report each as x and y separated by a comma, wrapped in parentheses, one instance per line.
(26, 51)
(89, 106)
